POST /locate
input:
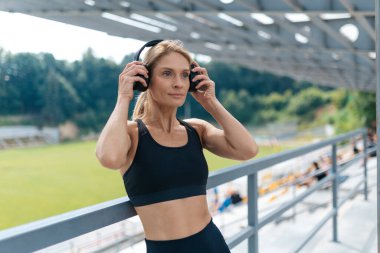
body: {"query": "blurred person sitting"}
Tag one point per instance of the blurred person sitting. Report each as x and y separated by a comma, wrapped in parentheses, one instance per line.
(232, 197)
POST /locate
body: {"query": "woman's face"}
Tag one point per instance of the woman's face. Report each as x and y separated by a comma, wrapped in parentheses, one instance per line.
(170, 81)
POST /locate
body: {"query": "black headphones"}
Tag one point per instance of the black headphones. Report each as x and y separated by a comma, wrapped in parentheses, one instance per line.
(140, 87)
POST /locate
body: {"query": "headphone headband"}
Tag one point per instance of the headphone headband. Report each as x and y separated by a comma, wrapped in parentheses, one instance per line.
(148, 44)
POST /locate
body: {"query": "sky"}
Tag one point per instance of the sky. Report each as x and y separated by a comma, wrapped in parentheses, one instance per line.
(24, 33)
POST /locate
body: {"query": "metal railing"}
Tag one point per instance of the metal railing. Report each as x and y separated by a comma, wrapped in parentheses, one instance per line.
(41, 234)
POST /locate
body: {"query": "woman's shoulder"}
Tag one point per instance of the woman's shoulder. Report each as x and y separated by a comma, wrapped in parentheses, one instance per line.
(132, 123)
(199, 123)
(196, 123)
(132, 128)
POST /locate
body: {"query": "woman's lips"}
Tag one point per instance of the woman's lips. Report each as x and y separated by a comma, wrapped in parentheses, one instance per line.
(176, 95)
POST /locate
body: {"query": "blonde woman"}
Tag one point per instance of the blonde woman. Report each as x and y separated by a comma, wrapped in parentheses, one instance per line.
(160, 156)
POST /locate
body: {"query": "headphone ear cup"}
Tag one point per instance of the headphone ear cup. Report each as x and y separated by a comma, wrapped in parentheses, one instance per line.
(191, 76)
(139, 86)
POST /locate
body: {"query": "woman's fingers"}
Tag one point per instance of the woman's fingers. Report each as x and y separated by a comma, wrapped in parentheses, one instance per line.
(137, 70)
(133, 72)
(133, 63)
(133, 78)
(138, 79)
(126, 85)
(203, 85)
(200, 77)
(200, 70)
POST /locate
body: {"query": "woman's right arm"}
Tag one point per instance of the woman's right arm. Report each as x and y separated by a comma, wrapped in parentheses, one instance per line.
(114, 141)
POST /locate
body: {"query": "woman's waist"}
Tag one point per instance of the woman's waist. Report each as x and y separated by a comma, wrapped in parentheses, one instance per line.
(174, 219)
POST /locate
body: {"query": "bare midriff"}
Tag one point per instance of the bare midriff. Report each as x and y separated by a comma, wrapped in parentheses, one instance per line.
(174, 219)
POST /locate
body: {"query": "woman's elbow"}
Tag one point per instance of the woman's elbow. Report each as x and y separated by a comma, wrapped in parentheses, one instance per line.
(250, 153)
(110, 162)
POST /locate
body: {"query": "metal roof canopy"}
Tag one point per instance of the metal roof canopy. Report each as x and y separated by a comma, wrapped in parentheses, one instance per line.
(312, 49)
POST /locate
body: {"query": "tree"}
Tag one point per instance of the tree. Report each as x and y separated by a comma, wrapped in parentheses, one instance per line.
(238, 104)
(359, 110)
(305, 103)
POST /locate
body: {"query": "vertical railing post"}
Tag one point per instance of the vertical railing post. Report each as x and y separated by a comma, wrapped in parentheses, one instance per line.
(365, 165)
(377, 44)
(335, 192)
(253, 241)
(294, 190)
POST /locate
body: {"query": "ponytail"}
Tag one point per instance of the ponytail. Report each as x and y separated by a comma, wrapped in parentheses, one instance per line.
(140, 109)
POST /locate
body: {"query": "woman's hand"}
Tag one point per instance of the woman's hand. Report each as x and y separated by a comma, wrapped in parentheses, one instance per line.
(205, 94)
(129, 76)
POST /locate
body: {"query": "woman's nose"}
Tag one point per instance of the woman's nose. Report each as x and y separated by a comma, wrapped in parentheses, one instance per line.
(179, 82)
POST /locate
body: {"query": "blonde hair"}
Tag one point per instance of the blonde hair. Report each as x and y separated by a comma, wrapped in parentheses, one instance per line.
(152, 56)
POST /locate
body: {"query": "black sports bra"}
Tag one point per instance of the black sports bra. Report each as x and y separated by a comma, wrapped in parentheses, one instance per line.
(160, 173)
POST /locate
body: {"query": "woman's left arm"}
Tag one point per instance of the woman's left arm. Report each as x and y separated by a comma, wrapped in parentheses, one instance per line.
(233, 140)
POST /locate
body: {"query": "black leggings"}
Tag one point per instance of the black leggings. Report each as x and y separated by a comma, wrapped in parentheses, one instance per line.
(208, 240)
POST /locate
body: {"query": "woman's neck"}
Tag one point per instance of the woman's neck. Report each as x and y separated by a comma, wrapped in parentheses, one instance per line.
(162, 119)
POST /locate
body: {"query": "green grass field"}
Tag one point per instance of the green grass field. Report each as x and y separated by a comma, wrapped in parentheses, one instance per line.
(40, 182)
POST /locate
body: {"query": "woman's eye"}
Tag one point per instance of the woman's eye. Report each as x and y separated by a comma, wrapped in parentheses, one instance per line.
(185, 75)
(167, 73)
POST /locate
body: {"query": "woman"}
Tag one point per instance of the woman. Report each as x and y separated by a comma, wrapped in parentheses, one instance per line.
(160, 156)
